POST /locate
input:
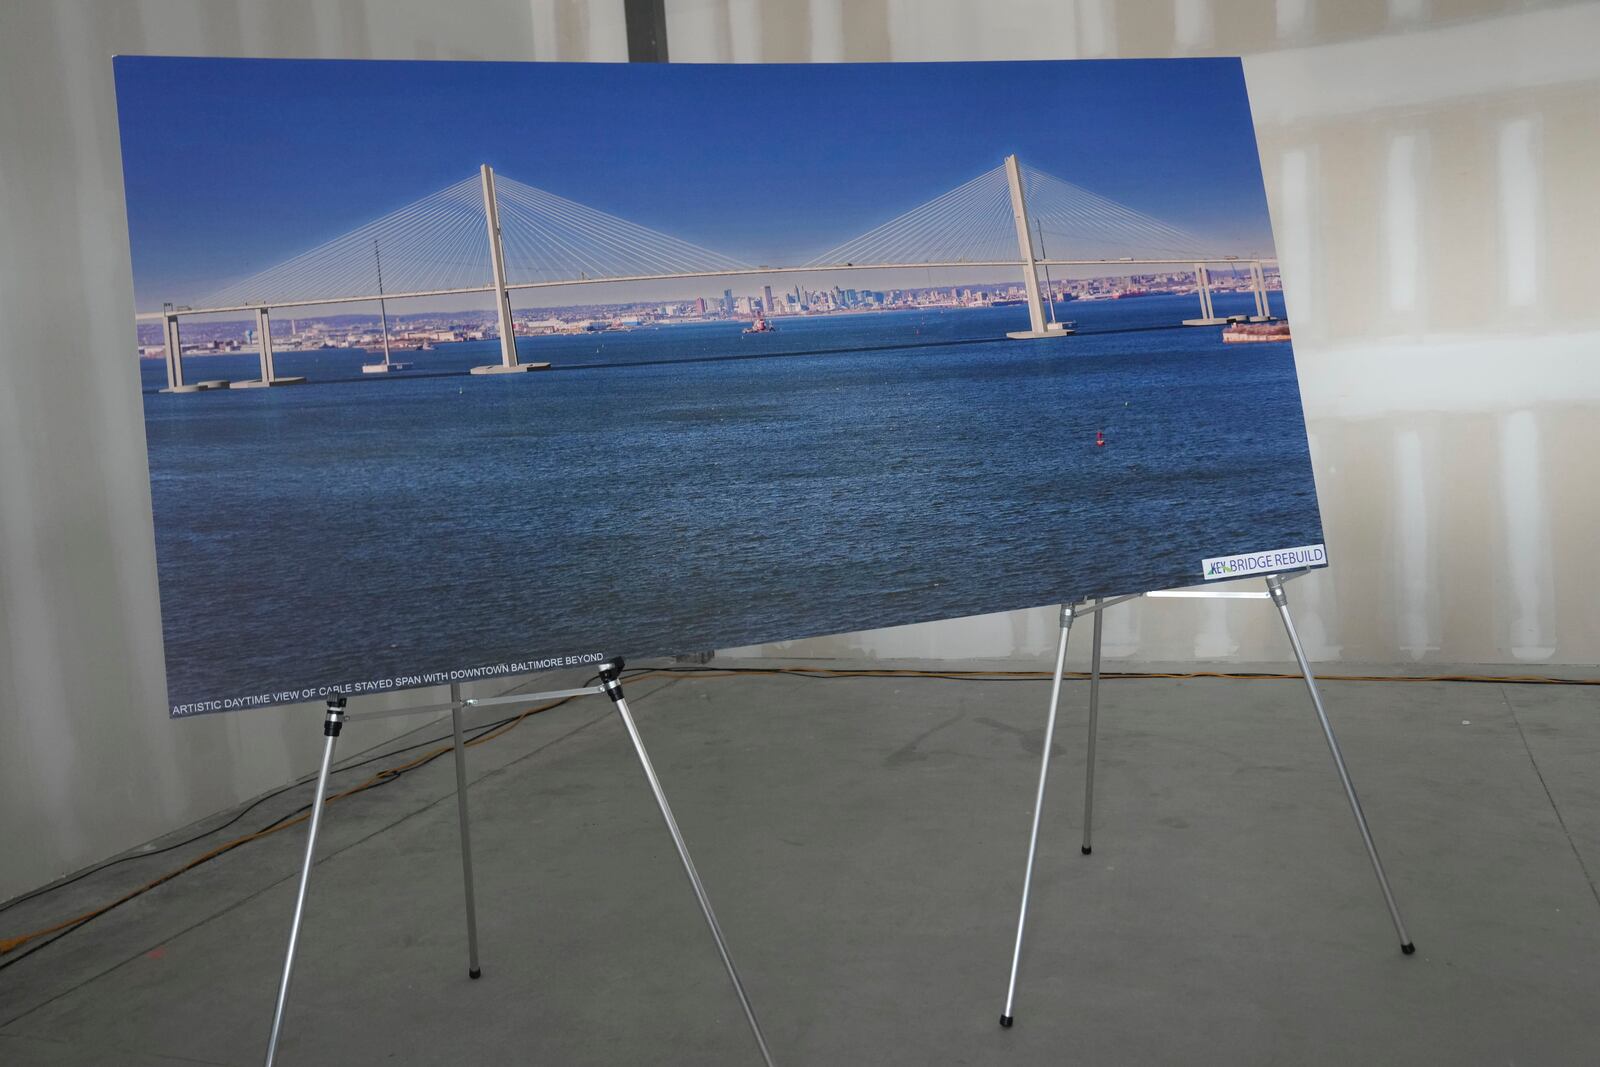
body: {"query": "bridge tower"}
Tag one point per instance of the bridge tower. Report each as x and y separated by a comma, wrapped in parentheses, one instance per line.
(502, 297)
(1037, 327)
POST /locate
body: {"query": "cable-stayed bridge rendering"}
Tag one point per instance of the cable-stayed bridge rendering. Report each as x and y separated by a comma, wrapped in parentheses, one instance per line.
(492, 234)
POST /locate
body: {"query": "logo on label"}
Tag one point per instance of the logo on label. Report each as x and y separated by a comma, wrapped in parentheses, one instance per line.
(1277, 559)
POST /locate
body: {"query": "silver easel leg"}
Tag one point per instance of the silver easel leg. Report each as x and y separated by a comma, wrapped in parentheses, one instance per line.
(473, 970)
(610, 677)
(331, 725)
(1280, 598)
(1094, 729)
(1038, 805)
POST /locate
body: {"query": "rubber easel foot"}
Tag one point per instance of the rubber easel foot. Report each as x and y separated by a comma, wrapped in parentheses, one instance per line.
(1005, 1022)
(1408, 948)
(1087, 849)
(476, 972)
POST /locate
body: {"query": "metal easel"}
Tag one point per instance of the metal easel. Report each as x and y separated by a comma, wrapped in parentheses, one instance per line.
(1275, 592)
(611, 685)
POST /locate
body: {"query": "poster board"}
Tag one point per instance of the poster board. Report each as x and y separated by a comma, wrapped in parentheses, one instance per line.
(817, 349)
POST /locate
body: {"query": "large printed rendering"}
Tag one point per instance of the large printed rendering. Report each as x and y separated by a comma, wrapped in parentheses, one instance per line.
(454, 370)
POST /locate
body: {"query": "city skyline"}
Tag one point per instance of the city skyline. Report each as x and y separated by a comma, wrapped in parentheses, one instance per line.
(213, 207)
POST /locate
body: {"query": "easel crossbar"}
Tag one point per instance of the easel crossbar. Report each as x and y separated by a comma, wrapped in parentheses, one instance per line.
(476, 702)
(1089, 607)
(514, 698)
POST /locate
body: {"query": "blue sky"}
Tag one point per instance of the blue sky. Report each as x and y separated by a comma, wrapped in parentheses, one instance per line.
(233, 165)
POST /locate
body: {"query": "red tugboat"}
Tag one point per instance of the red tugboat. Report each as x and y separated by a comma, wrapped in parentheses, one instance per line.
(761, 325)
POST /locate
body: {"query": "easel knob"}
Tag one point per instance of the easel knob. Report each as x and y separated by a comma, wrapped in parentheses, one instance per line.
(611, 678)
(334, 722)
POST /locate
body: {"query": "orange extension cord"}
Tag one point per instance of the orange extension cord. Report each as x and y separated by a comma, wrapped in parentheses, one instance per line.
(11, 944)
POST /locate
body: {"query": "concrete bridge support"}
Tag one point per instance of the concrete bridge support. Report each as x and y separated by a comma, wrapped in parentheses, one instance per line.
(169, 327)
(1202, 286)
(1258, 285)
(269, 372)
(264, 337)
(174, 346)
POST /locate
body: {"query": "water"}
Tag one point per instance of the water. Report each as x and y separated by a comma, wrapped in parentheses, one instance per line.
(664, 493)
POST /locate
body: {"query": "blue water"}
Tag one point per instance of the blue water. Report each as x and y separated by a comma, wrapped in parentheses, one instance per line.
(662, 492)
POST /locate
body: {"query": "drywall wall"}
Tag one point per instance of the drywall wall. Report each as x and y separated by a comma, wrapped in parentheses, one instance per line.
(1429, 167)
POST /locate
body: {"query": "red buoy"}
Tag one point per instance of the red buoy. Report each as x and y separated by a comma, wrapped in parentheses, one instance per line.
(1099, 439)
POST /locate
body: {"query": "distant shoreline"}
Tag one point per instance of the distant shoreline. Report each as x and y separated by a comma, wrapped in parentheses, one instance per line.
(777, 320)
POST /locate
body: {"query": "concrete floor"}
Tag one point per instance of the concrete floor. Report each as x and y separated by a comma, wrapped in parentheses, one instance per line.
(863, 842)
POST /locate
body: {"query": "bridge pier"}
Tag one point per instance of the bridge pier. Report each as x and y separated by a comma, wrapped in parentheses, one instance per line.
(1202, 286)
(269, 373)
(264, 339)
(174, 346)
(509, 363)
(1258, 285)
(1037, 326)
